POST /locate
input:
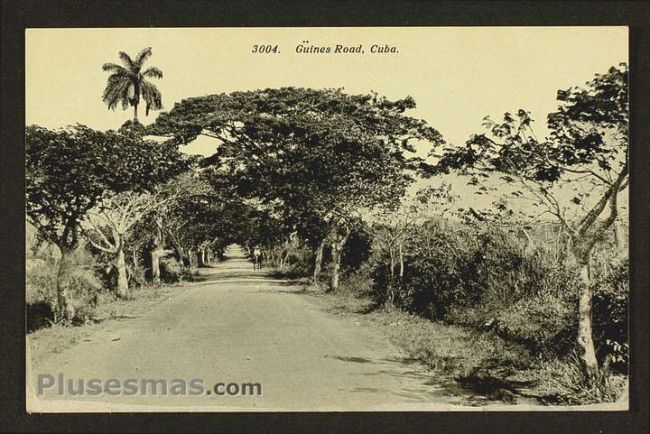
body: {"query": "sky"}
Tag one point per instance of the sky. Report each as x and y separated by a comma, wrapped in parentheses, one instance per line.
(456, 75)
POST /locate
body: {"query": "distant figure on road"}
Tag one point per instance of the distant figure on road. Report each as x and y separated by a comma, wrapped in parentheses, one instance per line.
(256, 258)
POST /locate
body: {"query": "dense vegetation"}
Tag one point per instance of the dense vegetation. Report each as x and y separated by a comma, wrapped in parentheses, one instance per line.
(323, 183)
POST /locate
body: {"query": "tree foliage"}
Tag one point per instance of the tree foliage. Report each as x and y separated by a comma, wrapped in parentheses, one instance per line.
(313, 157)
(587, 147)
(128, 83)
(68, 171)
(576, 174)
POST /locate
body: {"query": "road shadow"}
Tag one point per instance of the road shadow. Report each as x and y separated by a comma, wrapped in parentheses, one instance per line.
(479, 388)
(361, 308)
(421, 387)
(350, 359)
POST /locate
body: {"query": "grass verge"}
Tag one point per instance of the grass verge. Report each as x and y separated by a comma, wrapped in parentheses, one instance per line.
(485, 366)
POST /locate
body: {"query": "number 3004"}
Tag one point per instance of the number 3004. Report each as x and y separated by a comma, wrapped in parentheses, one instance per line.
(265, 49)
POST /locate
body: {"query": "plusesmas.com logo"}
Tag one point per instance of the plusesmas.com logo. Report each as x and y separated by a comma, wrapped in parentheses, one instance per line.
(61, 385)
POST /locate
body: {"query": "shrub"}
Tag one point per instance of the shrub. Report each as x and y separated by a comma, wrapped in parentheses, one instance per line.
(358, 282)
(449, 267)
(610, 317)
(357, 250)
(170, 270)
(85, 286)
(38, 315)
(40, 286)
(485, 278)
(564, 382)
(440, 271)
(541, 323)
(137, 275)
(300, 263)
(40, 280)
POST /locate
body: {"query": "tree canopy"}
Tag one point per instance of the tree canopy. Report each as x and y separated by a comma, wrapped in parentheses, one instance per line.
(307, 151)
(576, 174)
(128, 83)
(69, 170)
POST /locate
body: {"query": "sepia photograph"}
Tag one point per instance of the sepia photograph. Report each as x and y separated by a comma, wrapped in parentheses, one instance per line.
(326, 219)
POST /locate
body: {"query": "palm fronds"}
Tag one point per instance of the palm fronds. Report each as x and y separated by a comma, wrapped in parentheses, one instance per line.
(127, 84)
(153, 72)
(151, 96)
(128, 62)
(142, 56)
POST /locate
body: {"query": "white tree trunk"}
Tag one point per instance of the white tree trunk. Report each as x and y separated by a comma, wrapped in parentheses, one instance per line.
(122, 279)
(65, 308)
(337, 250)
(318, 263)
(336, 266)
(401, 262)
(585, 328)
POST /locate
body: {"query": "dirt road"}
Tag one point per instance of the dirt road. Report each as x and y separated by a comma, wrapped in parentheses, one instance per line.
(242, 326)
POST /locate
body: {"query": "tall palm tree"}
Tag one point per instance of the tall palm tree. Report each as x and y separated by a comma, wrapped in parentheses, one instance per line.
(128, 83)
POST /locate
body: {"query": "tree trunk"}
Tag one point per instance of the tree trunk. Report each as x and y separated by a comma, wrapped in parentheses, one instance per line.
(191, 258)
(619, 238)
(155, 266)
(155, 263)
(336, 266)
(156, 253)
(401, 262)
(585, 329)
(337, 249)
(65, 309)
(318, 262)
(122, 279)
(135, 113)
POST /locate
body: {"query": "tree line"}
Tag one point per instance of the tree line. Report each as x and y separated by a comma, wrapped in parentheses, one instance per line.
(307, 169)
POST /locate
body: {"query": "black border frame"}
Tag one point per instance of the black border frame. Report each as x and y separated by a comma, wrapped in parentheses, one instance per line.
(17, 15)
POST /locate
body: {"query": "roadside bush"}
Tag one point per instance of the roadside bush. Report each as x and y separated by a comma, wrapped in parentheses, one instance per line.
(40, 286)
(137, 276)
(38, 315)
(170, 270)
(485, 278)
(542, 323)
(300, 263)
(40, 280)
(610, 317)
(85, 286)
(563, 381)
(357, 250)
(359, 282)
(448, 268)
(440, 271)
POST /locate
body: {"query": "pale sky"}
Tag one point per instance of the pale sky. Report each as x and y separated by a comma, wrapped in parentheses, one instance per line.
(457, 75)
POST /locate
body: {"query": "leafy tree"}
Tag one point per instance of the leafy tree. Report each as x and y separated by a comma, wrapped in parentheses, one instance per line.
(197, 218)
(68, 172)
(109, 225)
(394, 227)
(314, 156)
(576, 175)
(128, 83)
